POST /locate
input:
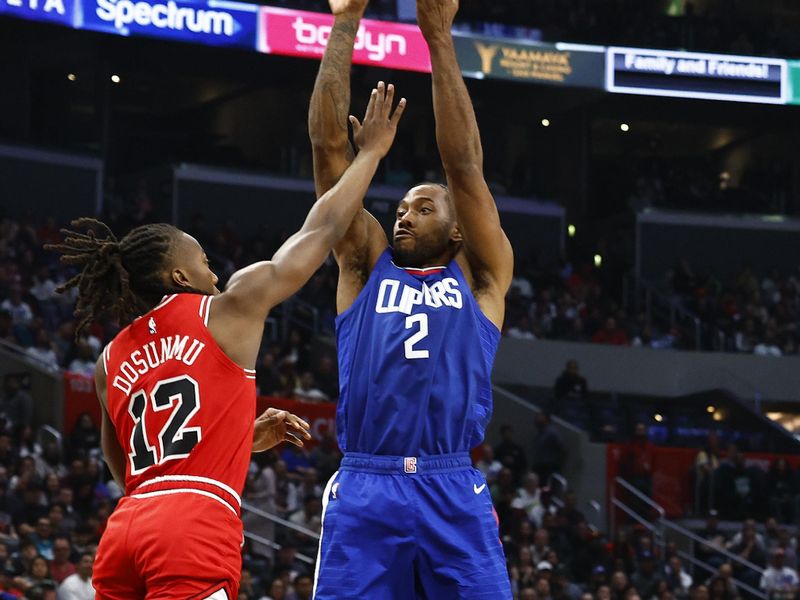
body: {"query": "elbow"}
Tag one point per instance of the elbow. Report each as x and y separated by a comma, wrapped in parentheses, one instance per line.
(324, 144)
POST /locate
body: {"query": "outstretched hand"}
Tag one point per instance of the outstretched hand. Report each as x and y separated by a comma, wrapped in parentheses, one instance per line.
(341, 7)
(377, 132)
(435, 17)
(274, 426)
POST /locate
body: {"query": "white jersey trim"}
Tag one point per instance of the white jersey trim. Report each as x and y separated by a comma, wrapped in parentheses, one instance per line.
(107, 357)
(186, 491)
(165, 300)
(207, 310)
(325, 497)
(218, 595)
(193, 479)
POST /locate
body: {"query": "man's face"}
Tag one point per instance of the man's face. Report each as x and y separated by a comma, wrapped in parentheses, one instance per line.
(190, 266)
(303, 588)
(85, 566)
(61, 551)
(424, 227)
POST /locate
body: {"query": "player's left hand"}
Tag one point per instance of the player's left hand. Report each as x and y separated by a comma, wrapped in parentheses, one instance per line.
(435, 17)
(275, 426)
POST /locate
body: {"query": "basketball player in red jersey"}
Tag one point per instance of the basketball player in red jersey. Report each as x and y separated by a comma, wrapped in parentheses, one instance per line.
(177, 385)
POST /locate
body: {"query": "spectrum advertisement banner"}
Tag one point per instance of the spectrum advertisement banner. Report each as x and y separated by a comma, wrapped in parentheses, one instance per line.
(697, 75)
(378, 43)
(59, 12)
(208, 22)
(532, 62)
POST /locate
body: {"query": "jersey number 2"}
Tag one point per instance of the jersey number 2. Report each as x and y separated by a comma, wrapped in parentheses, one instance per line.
(422, 320)
(175, 439)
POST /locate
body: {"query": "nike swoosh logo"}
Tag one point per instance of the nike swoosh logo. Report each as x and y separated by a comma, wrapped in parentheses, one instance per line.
(477, 489)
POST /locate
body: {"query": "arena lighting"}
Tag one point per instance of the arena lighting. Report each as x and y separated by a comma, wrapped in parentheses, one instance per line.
(72, 77)
(598, 260)
(658, 418)
(718, 416)
(115, 78)
(545, 122)
(571, 230)
(625, 127)
(711, 409)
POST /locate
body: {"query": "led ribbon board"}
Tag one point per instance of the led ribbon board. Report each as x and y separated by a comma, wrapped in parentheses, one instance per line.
(209, 22)
(378, 43)
(696, 75)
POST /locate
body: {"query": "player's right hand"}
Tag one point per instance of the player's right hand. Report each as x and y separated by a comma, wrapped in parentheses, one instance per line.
(377, 132)
(340, 7)
(274, 426)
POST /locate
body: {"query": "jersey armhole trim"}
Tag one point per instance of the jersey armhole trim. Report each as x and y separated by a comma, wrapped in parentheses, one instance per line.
(106, 357)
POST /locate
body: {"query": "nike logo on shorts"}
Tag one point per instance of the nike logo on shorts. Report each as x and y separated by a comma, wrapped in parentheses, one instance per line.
(477, 489)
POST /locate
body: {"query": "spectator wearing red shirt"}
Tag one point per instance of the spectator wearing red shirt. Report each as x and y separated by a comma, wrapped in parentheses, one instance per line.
(611, 334)
(61, 567)
(637, 460)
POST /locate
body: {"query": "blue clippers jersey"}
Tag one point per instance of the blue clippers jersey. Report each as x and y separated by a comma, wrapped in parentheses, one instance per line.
(415, 360)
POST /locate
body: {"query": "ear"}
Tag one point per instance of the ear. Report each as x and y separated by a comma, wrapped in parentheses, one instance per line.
(180, 278)
(455, 234)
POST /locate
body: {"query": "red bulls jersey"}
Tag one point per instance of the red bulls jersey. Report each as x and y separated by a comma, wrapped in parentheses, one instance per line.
(182, 409)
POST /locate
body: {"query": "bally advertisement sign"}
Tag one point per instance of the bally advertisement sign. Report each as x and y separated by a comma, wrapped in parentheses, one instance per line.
(533, 62)
(378, 43)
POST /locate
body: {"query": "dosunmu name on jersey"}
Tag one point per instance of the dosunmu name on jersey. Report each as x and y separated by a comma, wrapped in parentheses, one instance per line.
(182, 348)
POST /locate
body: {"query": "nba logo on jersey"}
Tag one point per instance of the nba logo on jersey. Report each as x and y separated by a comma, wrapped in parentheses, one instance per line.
(410, 465)
(151, 324)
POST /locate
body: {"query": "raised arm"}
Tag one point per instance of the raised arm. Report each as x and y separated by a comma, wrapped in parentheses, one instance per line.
(486, 246)
(238, 314)
(359, 249)
(330, 100)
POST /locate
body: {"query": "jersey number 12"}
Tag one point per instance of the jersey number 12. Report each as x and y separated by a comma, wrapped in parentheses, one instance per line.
(175, 439)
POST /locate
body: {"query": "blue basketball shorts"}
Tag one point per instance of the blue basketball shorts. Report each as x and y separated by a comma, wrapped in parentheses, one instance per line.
(405, 528)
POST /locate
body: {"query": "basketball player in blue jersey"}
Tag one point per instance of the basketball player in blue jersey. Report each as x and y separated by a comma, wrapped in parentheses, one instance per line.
(406, 516)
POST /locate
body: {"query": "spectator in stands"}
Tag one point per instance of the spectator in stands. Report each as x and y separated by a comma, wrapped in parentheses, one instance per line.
(326, 456)
(307, 390)
(37, 578)
(571, 384)
(678, 581)
(84, 437)
(17, 404)
(781, 490)
(488, 465)
(510, 454)
(268, 377)
(327, 377)
(705, 465)
(779, 581)
(44, 350)
(84, 361)
(739, 487)
(611, 334)
(749, 546)
(78, 586)
(276, 591)
(61, 566)
(310, 517)
(20, 311)
(303, 587)
(646, 576)
(529, 499)
(636, 464)
(715, 541)
(548, 448)
(541, 545)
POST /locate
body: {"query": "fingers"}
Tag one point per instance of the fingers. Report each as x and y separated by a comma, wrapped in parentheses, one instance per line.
(356, 125)
(293, 439)
(388, 101)
(373, 100)
(398, 113)
(296, 423)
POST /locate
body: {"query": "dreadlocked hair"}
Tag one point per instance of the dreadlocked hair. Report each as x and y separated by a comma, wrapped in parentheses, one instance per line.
(119, 278)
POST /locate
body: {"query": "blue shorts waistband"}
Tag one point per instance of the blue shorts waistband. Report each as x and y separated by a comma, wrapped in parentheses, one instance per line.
(411, 465)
